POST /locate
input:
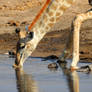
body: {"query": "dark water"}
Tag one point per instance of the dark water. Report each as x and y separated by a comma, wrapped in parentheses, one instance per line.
(36, 77)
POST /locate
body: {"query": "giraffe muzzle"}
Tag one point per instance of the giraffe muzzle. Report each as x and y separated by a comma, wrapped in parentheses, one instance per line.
(22, 52)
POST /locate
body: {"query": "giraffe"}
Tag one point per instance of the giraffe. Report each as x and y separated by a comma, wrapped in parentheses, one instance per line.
(50, 15)
(77, 22)
(28, 40)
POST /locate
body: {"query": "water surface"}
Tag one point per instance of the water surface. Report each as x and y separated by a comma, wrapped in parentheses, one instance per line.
(36, 77)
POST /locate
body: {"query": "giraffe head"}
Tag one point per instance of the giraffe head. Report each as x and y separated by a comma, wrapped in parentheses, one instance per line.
(23, 46)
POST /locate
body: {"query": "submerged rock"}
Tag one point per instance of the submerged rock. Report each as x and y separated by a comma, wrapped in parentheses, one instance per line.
(53, 65)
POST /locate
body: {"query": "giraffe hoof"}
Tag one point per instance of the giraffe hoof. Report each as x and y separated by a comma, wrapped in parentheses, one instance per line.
(72, 68)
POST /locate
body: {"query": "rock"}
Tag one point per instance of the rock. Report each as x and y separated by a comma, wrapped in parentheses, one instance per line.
(53, 65)
(12, 54)
(50, 57)
(87, 68)
(13, 23)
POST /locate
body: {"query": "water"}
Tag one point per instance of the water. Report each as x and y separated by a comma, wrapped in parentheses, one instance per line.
(36, 77)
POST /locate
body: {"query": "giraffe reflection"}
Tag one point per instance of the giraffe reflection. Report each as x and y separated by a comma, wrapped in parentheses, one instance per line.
(25, 83)
(71, 77)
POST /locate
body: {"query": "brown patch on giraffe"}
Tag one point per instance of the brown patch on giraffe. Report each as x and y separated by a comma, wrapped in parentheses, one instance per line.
(28, 45)
(45, 18)
(22, 34)
(57, 18)
(18, 57)
(40, 23)
(50, 24)
(58, 14)
(63, 8)
(57, 0)
(54, 7)
(52, 19)
(50, 13)
(47, 28)
(70, 1)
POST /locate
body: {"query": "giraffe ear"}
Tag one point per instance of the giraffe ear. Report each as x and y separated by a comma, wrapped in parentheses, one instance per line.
(17, 30)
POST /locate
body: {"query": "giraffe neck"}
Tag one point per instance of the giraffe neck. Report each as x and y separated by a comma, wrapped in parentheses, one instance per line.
(39, 14)
(49, 17)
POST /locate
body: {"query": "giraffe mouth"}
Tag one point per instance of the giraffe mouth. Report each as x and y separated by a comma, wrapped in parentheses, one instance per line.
(20, 56)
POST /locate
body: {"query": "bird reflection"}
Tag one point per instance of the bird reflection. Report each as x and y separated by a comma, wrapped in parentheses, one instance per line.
(72, 78)
(24, 82)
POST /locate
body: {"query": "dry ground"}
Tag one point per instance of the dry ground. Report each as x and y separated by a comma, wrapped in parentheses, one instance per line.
(19, 13)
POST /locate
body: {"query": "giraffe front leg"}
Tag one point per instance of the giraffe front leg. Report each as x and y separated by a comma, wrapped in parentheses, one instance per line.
(76, 26)
(75, 50)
